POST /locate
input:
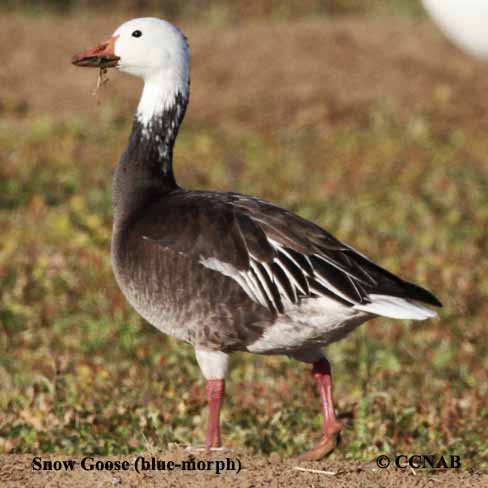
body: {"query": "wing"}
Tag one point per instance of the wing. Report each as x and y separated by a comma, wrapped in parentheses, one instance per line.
(279, 258)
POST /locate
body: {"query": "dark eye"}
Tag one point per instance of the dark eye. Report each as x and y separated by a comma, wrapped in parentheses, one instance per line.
(137, 33)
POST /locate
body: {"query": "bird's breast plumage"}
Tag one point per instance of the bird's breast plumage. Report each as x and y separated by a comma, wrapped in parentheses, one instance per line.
(184, 299)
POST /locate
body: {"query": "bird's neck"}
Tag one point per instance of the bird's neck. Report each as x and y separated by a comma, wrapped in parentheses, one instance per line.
(147, 164)
(158, 118)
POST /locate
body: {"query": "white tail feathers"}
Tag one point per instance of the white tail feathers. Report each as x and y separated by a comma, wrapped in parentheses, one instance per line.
(396, 308)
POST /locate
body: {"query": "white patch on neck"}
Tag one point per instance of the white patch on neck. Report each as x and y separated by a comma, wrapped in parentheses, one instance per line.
(159, 94)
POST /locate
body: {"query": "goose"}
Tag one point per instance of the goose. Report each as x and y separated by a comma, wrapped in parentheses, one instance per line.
(227, 272)
(464, 22)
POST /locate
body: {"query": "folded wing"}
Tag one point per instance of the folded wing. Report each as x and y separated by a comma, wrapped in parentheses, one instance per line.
(280, 259)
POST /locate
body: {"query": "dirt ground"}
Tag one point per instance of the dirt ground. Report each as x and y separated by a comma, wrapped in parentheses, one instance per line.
(400, 61)
(17, 471)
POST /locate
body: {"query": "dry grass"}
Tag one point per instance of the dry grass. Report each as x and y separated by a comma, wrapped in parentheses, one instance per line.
(375, 128)
(323, 71)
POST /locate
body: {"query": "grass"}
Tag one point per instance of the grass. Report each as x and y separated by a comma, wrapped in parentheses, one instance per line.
(220, 11)
(399, 173)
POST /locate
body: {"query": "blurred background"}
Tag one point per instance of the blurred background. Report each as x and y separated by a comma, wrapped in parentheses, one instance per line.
(359, 115)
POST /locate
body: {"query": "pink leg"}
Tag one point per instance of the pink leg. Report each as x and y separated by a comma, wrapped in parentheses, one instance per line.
(215, 394)
(332, 426)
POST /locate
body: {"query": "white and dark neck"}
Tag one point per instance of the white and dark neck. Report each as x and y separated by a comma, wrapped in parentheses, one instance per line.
(146, 168)
(158, 118)
(160, 93)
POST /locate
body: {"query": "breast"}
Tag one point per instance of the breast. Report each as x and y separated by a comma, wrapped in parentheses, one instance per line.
(182, 298)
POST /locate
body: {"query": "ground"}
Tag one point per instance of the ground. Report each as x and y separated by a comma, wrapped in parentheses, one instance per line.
(373, 127)
(256, 471)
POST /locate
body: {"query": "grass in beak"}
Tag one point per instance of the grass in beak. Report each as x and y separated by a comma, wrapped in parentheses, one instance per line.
(101, 80)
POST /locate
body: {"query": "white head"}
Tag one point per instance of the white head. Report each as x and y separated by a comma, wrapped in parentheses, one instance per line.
(153, 49)
(150, 47)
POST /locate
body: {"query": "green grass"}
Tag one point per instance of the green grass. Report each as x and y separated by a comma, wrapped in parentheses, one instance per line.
(82, 373)
(219, 12)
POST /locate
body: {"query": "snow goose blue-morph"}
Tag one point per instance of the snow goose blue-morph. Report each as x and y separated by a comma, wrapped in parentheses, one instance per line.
(227, 272)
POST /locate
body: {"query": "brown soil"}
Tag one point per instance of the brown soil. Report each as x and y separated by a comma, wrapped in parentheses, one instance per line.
(16, 471)
(396, 61)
